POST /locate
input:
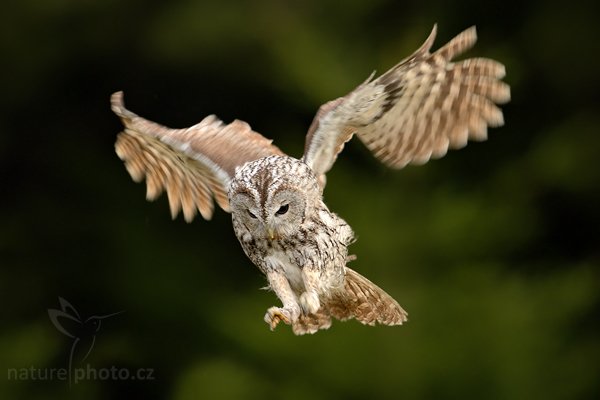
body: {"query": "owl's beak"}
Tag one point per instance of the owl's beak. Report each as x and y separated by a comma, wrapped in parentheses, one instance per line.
(271, 232)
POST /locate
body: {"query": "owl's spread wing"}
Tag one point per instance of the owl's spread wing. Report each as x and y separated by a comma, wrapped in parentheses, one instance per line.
(193, 164)
(417, 110)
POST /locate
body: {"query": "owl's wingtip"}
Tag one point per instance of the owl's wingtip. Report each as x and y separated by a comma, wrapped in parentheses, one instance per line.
(116, 101)
(117, 105)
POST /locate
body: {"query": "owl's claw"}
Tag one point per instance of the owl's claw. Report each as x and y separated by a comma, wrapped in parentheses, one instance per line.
(275, 315)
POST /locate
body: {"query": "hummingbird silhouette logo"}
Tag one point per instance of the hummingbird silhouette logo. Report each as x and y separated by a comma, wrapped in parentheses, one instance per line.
(83, 331)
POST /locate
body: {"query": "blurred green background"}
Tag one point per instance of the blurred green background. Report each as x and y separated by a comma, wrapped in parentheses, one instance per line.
(493, 250)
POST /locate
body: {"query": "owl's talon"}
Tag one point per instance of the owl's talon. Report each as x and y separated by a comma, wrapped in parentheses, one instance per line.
(275, 315)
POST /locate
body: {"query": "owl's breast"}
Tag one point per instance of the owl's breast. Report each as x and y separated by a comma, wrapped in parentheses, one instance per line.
(320, 243)
(292, 271)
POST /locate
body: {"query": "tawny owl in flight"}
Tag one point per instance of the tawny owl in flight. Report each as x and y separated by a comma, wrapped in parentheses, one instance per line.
(414, 112)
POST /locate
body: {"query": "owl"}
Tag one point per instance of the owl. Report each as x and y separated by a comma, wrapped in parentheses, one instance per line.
(414, 112)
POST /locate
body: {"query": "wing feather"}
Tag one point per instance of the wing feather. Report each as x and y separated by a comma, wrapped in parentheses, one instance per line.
(193, 165)
(416, 111)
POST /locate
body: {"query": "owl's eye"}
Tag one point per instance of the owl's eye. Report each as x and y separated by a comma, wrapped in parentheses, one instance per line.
(250, 214)
(283, 209)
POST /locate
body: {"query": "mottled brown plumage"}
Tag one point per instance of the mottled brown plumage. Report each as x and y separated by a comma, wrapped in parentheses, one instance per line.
(193, 164)
(417, 110)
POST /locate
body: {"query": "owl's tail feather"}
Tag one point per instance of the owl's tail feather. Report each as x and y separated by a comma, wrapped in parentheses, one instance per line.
(361, 299)
(366, 302)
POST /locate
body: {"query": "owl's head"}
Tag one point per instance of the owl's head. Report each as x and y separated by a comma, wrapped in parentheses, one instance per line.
(272, 196)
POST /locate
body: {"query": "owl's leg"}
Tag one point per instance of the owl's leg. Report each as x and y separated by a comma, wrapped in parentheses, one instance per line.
(309, 300)
(291, 310)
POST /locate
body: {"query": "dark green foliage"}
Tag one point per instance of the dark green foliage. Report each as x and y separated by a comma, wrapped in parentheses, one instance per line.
(494, 250)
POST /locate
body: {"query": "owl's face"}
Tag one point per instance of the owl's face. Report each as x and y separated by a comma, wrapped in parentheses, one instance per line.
(271, 197)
